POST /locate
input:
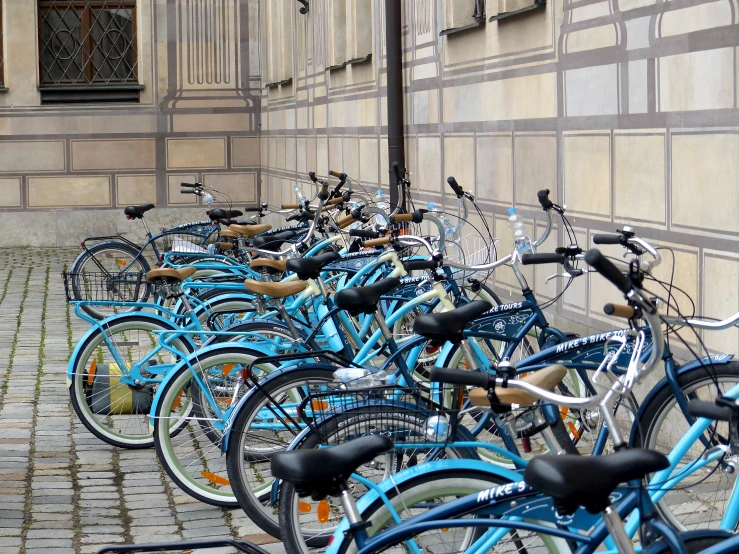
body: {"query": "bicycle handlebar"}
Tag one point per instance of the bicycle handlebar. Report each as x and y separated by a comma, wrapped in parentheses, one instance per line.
(459, 191)
(605, 267)
(619, 310)
(364, 233)
(544, 258)
(606, 239)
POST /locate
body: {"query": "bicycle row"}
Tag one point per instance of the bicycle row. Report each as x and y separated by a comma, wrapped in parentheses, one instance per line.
(240, 383)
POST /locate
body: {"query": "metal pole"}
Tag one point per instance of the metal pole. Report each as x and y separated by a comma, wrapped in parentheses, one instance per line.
(395, 130)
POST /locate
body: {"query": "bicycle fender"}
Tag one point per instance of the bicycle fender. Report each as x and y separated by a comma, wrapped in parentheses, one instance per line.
(193, 357)
(255, 390)
(407, 474)
(718, 359)
(446, 350)
(116, 318)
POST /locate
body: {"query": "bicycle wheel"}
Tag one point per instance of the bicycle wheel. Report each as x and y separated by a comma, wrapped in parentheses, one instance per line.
(301, 526)
(270, 337)
(426, 491)
(192, 459)
(700, 499)
(113, 258)
(113, 412)
(264, 425)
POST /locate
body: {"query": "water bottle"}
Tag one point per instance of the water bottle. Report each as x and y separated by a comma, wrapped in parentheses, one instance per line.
(521, 242)
(380, 201)
(448, 227)
(359, 378)
(299, 193)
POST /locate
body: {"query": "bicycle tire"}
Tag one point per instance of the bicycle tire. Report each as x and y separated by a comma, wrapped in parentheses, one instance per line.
(426, 488)
(253, 326)
(199, 471)
(251, 499)
(654, 414)
(79, 385)
(96, 251)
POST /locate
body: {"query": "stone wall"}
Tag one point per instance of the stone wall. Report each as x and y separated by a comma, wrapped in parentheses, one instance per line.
(67, 170)
(625, 109)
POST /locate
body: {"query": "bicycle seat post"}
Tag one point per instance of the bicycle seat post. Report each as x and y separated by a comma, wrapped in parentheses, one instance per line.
(146, 226)
(616, 529)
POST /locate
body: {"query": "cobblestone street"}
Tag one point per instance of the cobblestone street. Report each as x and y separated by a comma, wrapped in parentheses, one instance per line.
(64, 491)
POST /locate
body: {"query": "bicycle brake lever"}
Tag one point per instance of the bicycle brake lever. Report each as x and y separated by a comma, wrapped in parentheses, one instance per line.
(610, 358)
(632, 373)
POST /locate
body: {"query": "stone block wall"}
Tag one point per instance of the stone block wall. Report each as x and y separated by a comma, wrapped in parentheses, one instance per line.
(625, 109)
(67, 170)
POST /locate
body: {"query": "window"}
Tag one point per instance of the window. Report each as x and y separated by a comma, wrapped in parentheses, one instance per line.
(88, 50)
(461, 15)
(279, 26)
(350, 23)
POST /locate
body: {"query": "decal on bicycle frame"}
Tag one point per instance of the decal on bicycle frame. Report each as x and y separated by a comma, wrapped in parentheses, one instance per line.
(353, 261)
(520, 500)
(589, 350)
(504, 320)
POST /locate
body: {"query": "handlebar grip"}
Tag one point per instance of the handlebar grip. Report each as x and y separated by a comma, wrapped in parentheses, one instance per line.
(710, 410)
(248, 209)
(411, 265)
(337, 174)
(312, 175)
(364, 233)
(459, 191)
(543, 258)
(188, 192)
(619, 310)
(335, 201)
(225, 246)
(543, 196)
(453, 376)
(606, 268)
(346, 220)
(396, 171)
(607, 239)
(403, 218)
(323, 195)
(377, 242)
(191, 185)
(290, 206)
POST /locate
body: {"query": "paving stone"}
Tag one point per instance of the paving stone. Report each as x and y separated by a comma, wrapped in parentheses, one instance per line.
(50, 463)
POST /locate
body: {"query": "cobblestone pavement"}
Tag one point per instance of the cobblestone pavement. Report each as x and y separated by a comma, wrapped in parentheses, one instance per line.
(63, 491)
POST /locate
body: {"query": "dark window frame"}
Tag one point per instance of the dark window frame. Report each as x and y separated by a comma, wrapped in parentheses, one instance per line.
(479, 16)
(86, 83)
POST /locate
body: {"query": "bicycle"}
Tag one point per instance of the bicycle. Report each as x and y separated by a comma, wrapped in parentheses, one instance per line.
(488, 516)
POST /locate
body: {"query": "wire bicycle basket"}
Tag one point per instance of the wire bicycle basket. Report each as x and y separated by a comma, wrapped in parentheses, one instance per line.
(129, 286)
(192, 238)
(339, 414)
(471, 249)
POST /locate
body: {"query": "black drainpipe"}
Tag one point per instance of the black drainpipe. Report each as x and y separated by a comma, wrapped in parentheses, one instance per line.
(395, 130)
